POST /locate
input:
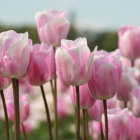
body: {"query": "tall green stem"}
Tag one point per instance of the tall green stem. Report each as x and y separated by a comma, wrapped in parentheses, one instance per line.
(125, 104)
(52, 88)
(47, 112)
(87, 130)
(55, 105)
(84, 123)
(102, 134)
(5, 113)
(78, 114)
(106, 120)
(24, 132)
(15, 84)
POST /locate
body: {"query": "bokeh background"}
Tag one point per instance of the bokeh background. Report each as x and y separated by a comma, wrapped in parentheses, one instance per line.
(97, 20)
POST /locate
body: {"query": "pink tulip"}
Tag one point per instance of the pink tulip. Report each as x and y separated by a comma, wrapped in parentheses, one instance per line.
(52, 26)
(137, 63)
(94, 130)
(24, 108)
(74, 62)
(118, 124)
(62, 107)
(134, 72)
(125, 61)
(42, 65)
(135, 101)
(129, 41)
(134, 127)
(106, 75)
(14, 54)
(4, 82)
(62, 88)
(25, 86)
(126, 85)
(27, 127)
(86, 100)
(97, 109)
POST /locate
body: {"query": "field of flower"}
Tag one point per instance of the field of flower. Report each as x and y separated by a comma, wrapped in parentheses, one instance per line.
(62, 89)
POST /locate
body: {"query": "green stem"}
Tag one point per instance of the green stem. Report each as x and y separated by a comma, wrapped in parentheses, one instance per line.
(125, 104)
(15, 84)
(55, 105)
(5, 113)
(106, 120)
(24, 132)
(47, 112)
(52, 89)
(78, 114)
(84, 123)
(102, 134)
(55, 108)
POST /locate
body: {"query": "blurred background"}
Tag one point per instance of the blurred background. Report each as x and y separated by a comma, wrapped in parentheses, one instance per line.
(98, 21)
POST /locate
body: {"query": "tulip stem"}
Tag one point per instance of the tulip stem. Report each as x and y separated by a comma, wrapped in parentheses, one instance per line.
(5, 113)
(84, 123)
(55, 104)
(24, 132)
(102, 134)
(15, 84)
(106, 120)
(47, 112)
(125, 104)
(52, 89)
(78, 114)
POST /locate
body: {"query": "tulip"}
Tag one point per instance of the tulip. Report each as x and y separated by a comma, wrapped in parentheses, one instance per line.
(134, 72)
(74, 62)
(129, 41)
(127, 83)
(125, 61)
(118, 124)
(135, 101)
(14, 54)
(97, 109)
(62, 106)
(24, 108)
(27, 127)
(52, 26)
(61, 86)
(106, 76)
(14, 61)
(86, 100)
(42, 64)
(42, 69)
(134, 127)
(94, 130)
(25, 85)
(137, 63)
(4, 83)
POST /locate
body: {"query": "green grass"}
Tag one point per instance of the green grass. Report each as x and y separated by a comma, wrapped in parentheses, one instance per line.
(41, 133)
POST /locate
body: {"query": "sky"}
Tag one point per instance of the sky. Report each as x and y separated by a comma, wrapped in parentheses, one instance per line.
(97, 13)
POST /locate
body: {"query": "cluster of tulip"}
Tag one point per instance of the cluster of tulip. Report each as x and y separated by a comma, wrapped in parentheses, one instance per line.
(104, 83)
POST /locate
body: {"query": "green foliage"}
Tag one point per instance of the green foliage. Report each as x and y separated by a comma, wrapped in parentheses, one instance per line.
(104, 40)
(66, 127)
